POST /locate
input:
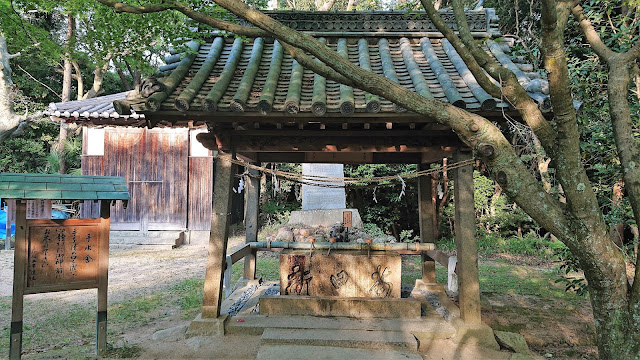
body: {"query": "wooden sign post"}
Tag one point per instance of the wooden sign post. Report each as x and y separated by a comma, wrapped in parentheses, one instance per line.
(60, 255)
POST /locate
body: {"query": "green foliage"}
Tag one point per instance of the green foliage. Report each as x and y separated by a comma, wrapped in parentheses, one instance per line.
(567, 271)
(373, 230)
(29, 152)
(278, 197)
(385, 206)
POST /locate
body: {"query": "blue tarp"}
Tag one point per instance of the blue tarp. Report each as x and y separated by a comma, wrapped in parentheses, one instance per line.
(55, 214)
(3, 225)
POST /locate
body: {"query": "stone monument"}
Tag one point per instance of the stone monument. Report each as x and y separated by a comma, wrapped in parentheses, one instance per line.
(323, 205)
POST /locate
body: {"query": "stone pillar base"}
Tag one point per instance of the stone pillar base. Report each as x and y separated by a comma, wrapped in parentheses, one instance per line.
(421, 285)
(479, 334)
(207, 327)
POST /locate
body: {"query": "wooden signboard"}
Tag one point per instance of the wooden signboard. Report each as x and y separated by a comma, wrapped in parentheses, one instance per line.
(346, 219)
(62, 255)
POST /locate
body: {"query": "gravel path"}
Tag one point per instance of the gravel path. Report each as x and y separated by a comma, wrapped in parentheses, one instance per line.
(132, 273)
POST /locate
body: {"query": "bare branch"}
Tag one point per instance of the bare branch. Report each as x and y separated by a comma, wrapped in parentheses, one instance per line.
(38, 81)
(465, 53)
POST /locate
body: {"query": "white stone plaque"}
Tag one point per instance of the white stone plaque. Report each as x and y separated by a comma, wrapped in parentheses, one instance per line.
(323, 198)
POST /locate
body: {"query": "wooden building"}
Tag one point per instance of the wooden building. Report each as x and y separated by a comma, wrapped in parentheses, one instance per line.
(168, 172)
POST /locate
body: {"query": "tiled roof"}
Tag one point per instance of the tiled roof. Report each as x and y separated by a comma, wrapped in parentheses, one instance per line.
(256, 76)
(97, 108)
(62, 187)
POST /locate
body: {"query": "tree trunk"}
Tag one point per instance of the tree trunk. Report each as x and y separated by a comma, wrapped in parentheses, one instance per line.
(8, 120)
(123, 79)
(67, 77)
(98, 78)
(79, 79)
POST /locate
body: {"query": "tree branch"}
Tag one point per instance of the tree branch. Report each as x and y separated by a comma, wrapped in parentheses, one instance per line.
(315, 66)
(38, 81)
(473, 129)
(187, 11)
(465, 53)
(603, 51)
(475, 57)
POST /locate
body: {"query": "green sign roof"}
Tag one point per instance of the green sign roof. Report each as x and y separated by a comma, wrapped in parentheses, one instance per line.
(62, 187)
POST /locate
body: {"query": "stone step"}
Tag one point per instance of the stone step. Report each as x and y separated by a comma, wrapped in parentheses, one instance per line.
(303, 352)
(333, 306)
(379, 340)
(171, 238)
(148, 234)
(424, 328)
(154, 247)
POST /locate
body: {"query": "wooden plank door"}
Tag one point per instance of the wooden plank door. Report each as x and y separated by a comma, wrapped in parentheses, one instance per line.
(166, 179)
(124, 153)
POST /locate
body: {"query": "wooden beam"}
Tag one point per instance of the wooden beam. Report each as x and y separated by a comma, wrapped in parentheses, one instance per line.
(19, 280)
(219, 235)
(103, 278)
(425, 215)
(252, 211)
(465, 230)
(439, 256)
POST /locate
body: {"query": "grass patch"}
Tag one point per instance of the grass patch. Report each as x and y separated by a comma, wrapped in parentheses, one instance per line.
(189, 293)
(502, 278)
(136, 312)
(268, 267)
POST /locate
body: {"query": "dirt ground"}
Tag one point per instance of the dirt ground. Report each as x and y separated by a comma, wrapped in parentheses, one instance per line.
(561, 329)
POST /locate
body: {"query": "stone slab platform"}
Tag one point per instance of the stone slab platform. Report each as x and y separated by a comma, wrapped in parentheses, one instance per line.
(331, 306)
(302, 352)
(379, 340)
(256, 324)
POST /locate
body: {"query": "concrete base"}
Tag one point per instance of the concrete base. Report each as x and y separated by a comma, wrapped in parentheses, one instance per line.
(197, 237)
(480, 335)
(324, 217)
(207, 327)
(331, 306)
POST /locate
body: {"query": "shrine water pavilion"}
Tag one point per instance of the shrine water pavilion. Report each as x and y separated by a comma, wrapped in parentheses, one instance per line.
(253, 103)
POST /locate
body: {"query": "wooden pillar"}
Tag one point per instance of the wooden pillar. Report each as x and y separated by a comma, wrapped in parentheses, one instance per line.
(465, 228)
(252, 210)
(19, 279)
(220, 219)
(426, 210)
(103, 278)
